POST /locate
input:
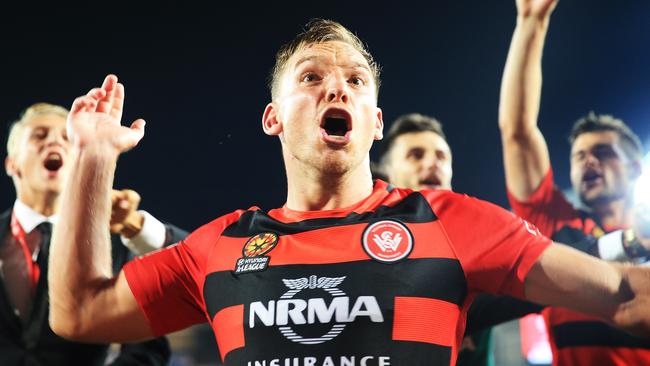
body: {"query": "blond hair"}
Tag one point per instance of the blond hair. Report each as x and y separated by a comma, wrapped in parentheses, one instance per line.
(34, 110)
(320, 31)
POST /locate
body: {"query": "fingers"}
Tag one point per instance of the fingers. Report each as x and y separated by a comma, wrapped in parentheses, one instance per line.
(96, 93)
(95, 97)
(123, 203)
(83, 104)
(118, 102)
(125, 219)
(105, 104)
(115, 195)
(131, 198)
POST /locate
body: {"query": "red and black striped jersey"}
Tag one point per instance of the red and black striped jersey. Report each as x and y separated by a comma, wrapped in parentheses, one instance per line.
(386, 281)
(577, 339)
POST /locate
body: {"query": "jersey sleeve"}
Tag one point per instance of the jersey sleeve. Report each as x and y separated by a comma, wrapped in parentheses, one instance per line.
(545, 207)
(168, 283)
(496, 249)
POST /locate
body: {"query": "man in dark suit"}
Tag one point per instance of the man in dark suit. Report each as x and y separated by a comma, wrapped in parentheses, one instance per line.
(37, 150)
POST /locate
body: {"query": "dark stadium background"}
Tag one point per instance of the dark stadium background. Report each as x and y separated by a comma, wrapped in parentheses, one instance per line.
(197, 73)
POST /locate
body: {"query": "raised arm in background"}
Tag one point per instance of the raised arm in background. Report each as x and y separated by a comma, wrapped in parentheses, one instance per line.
(525, 154)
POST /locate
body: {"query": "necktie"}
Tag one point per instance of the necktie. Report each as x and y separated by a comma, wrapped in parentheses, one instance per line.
(40, 255)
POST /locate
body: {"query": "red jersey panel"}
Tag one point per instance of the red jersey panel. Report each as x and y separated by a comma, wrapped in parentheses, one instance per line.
(386, 281)
(577, 339)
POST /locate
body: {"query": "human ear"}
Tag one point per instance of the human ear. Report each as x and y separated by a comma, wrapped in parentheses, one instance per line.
(10, 167)
(379, 125)
(270, 123)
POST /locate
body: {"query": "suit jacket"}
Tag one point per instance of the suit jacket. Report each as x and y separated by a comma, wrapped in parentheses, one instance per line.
(33, 343)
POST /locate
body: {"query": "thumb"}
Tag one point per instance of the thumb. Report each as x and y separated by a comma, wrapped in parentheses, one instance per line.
(135, 134)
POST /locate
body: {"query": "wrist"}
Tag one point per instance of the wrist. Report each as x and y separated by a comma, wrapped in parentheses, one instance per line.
(97, 152)
(532, 22)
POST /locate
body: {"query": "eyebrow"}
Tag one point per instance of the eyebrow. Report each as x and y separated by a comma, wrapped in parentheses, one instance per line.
(304, 59)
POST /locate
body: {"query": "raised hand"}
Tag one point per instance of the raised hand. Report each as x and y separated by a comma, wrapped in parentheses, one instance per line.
(539, 9)
(94, 120)
(125, 219)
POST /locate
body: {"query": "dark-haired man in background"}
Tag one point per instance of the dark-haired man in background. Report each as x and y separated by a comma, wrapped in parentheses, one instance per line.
(606, 161)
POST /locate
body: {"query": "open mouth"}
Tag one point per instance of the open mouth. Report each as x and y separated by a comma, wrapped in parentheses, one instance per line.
(53, 162)
(335, 126)
(430, 182)
(336, 123)
(591, 177)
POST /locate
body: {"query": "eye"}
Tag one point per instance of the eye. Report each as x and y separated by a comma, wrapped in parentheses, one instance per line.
(441, 155)
(415, 154)
(39, 133)
(356, 80)
(309, 77)
(579, 156)
(604, 153)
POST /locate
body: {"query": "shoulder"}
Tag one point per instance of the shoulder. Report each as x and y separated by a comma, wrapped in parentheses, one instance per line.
(449, 205)
(442, 199)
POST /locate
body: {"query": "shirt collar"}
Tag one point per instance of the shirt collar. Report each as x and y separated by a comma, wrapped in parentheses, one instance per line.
(28, 218)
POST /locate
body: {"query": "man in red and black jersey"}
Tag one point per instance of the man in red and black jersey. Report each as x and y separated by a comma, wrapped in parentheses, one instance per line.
(605, 162)
(347, 272)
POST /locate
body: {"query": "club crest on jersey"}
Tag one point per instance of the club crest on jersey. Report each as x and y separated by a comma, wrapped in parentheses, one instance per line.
(254, 259)
(387, 241)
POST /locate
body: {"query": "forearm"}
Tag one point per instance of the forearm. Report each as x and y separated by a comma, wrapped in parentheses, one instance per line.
(618, 293)
(521, 85)
(525, 154)
(80, 254)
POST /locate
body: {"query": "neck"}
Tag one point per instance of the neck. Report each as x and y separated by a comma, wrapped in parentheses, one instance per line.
(315, 190)
(45, 203)
(615, 213)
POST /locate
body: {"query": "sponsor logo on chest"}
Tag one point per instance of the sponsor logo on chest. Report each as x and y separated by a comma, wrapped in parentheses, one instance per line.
(324, 303)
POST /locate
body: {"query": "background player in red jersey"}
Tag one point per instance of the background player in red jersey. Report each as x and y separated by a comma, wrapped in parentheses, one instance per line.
(324, 110)
(416, 154)
(605, 163)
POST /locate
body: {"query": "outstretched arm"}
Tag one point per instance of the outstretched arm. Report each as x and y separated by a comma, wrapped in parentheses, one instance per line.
(618, 293)
(525, 154)
(86, 301)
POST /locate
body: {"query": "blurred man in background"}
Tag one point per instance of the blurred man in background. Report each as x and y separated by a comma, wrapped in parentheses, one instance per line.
(605, 163)
(38, 161)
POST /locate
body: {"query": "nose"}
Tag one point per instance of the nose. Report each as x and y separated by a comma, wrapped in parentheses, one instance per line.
(55, 137)
(337, 91)
(429, 162)
(591, 160)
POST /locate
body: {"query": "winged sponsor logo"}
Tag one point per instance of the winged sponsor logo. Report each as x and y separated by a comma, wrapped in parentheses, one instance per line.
(320, 302)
